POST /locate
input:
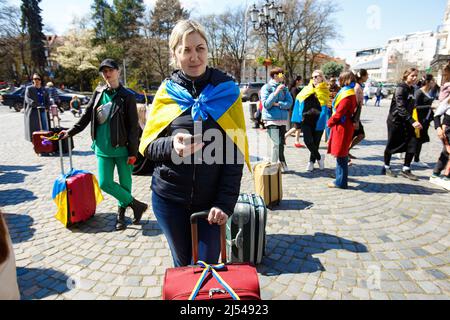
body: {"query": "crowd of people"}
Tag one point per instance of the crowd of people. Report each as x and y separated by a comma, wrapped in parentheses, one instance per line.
(336, 109)
(197, 101)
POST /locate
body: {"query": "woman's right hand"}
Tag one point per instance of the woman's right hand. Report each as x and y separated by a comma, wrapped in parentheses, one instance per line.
(280, 88)
(185, 145)
(417, 125)
(63, 134)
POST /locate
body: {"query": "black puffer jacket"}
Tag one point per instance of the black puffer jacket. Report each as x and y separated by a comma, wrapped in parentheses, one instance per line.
(199, 186)
(124, 123)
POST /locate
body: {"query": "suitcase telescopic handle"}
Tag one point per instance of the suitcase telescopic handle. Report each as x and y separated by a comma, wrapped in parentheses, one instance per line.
(194, 232)
(61, 156)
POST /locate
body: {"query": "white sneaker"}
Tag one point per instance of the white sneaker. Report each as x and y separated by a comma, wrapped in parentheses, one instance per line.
(435, 180)
(322, 162)
(421, 164)
(445, 183)
(310, 167)
(441, 182)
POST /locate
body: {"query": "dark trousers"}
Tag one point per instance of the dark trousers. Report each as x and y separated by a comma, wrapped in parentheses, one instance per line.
(276, 134)
(174, 220)
(408, 158)
(442, 161)
(418, 151)
(342, 172)
(312, 140)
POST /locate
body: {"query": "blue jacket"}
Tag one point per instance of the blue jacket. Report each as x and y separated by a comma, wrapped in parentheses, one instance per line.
(268, 98)
(297, 114)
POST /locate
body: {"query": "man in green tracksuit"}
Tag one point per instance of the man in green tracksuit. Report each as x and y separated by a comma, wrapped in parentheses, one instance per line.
(115, 133)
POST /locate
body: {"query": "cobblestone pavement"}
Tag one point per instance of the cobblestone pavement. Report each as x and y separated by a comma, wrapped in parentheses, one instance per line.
(384, 238)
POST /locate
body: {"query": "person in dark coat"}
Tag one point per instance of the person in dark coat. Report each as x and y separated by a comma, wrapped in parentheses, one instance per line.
(294, 127)
(401, 126)
(36, 105)
(191, 105)
(424, 114)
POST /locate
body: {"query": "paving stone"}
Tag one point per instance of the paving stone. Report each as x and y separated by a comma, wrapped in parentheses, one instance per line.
(327, 251)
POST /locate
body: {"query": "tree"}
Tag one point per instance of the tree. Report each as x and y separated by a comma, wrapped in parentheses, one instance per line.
(214, 33)
(102, 16)
(307, 28)
(32, 22)
(234, 39)
(163, 19)
(332, 69)
(78, 59)
(127, 19)
(14, 45)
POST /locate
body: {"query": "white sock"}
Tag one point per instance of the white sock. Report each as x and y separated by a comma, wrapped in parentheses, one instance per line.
(387, 167)
(406, 168)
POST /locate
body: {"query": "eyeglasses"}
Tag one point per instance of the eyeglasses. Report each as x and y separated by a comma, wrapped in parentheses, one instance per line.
(317, 77)
(37, 79)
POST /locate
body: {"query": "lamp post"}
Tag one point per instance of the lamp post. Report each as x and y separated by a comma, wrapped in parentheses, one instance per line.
(268, 16)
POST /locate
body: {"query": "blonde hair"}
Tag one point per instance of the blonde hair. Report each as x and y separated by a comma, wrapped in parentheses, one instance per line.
(320, 73)
(179, 33)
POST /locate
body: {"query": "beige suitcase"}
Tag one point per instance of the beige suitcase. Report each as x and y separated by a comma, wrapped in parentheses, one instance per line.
(268, 182)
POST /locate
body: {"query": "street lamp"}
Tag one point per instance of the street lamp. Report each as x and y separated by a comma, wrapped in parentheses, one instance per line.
(269, 16)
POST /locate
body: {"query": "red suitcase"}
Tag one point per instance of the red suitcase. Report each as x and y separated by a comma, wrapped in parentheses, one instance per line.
(81, 201)
(40, 144)
(221, 282)
(80, 197)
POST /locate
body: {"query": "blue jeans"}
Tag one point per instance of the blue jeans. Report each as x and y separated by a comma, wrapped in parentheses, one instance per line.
(378, 102)
(342, 172)
(44, 120)
(174, 220)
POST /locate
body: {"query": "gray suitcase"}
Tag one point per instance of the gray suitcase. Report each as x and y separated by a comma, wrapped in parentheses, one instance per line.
(246, 230)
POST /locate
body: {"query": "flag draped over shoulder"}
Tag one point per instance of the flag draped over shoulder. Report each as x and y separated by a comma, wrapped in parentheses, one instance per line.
(59, 193)
(345, 92)
(323, 95)
(223, 103)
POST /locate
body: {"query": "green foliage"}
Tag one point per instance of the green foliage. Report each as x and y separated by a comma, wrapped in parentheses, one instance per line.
(32, 22)
(102, 16)
(262, 61)
(332, 69)
(78, 59)
(126, 18)
(164, 17)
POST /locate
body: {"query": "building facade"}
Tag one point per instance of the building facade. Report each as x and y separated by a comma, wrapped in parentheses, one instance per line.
(388, 63)
(442, 56)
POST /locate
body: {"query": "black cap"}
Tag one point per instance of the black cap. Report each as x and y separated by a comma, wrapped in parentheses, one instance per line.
(108, 63)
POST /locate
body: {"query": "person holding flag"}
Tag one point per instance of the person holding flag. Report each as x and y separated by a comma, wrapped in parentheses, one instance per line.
(195, 136)
(310, 109)
(342, 128)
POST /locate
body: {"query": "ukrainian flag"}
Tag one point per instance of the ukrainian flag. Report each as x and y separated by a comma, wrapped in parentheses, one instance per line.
(59, 194)
(322, 93)
(222, 102)
(345, 92)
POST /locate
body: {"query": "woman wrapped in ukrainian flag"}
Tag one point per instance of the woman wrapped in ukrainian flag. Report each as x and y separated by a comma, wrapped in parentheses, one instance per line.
(196, 137)
(311, 111)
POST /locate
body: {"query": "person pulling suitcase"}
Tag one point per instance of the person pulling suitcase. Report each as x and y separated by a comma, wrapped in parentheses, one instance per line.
(114, 123)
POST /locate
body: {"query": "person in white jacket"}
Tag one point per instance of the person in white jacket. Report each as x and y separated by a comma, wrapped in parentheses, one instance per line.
(9, 290)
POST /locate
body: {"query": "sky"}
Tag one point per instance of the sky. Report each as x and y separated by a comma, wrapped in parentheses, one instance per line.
(360, 23)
